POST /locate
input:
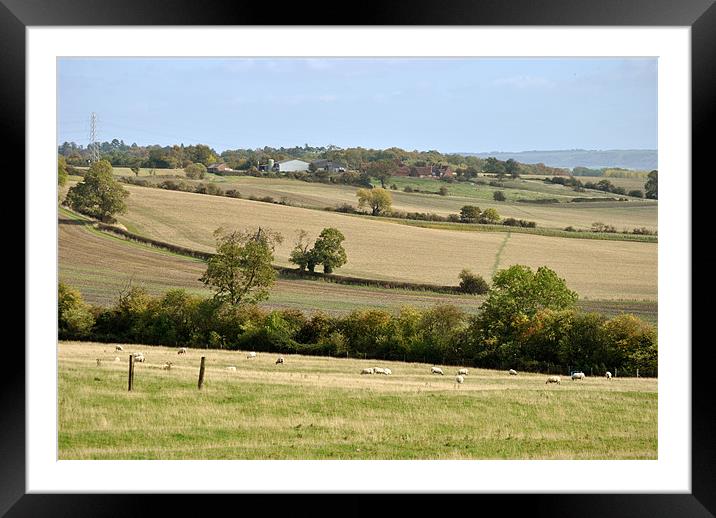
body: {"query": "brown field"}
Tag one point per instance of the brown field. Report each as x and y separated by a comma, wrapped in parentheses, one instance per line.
(384, 250)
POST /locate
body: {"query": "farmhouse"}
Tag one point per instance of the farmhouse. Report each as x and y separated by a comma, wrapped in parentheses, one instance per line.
(328, 165)
(292, 165)
(219, 168)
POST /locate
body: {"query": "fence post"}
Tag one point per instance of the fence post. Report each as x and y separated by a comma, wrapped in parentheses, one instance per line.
(130, 382)
(637, 373)
(201, 372)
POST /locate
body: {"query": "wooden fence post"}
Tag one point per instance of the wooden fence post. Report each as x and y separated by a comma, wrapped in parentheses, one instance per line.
(201, 372)
(131, 373)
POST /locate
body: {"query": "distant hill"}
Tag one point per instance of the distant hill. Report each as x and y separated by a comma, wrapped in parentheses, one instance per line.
(643, 159)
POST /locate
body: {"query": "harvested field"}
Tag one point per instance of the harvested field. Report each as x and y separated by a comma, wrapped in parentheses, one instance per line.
(384, 250)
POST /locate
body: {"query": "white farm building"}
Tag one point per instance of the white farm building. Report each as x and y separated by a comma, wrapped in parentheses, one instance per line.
(292, 165)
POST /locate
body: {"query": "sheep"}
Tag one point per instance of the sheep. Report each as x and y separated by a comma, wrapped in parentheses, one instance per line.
(512, 372)
(436, 370)
(138, 357)
(167, 366)
(116, 358)
(462, 372)
(609, 375)
(279, 360)
(99, 362)
(231, 368)
(369, 370)
(459, 378)
(554, 379)
(378, 370)
(182, 350)
(118, 348)
(251, 355)
(387, 371)
(578, 376)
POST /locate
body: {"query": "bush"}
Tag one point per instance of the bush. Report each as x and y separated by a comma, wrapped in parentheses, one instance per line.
(209, 188)
(74, 317)
(443, 191)
(233, 193)
(346, 208)
(499, 196)
(472, 283)
(636, 193)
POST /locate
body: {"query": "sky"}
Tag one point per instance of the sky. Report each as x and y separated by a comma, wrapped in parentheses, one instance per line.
(444, 104)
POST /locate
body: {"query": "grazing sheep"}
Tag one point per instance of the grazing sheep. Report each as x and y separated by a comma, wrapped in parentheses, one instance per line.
(167, 366)
(231, 368)
(251, 355)
(387, 371)
(118, 348)
(279, 360)
(554, 379)
(512, 372)
(436, 370)
(459, 378)
(369, 370)
(609, 375)
(462, 372)
(378, 370)
(578, 375)
(116, 358)
(138, 357)
(182, 350)
(99, 362)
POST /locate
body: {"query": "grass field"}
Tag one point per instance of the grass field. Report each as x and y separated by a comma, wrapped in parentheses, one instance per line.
(622, 215)
(322, 408)
(384, 250)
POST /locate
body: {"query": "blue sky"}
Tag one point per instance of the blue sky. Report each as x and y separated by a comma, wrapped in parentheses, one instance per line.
(446, 104)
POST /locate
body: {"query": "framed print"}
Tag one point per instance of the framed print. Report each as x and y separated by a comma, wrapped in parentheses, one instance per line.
(358, 153)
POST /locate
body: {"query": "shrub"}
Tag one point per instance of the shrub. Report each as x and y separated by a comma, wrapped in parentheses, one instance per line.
(636, 193)
(346, 208)
(443, 191)
(472, 283)
(74, 317)
(407, 188)
(233, 193)
(499, 196)
(209, 188)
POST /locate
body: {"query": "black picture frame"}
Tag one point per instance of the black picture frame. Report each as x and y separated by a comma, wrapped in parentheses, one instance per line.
(699, 15)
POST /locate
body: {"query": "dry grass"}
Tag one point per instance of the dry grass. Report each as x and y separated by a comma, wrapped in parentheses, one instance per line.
(322, 408)
(384, 250)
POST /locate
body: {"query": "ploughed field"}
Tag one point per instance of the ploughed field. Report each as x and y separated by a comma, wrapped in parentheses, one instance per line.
(323, 408)
(385, 250)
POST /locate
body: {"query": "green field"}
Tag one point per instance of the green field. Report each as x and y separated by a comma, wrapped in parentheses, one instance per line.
(323, 408)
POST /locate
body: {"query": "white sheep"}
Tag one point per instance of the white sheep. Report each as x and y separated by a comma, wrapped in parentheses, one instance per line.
(512, 372)
(436, 370)
(369, 370)
(554, 379)
(459, 378)
(578, 375)
(378, 370)
(279, 360)
(167, 366)
(118, 348)
(231, 368)
(138, 357)
(116, 358)
(387, 371)
(609, 375)
(462, 372)
(182, 350)
(251, 355)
